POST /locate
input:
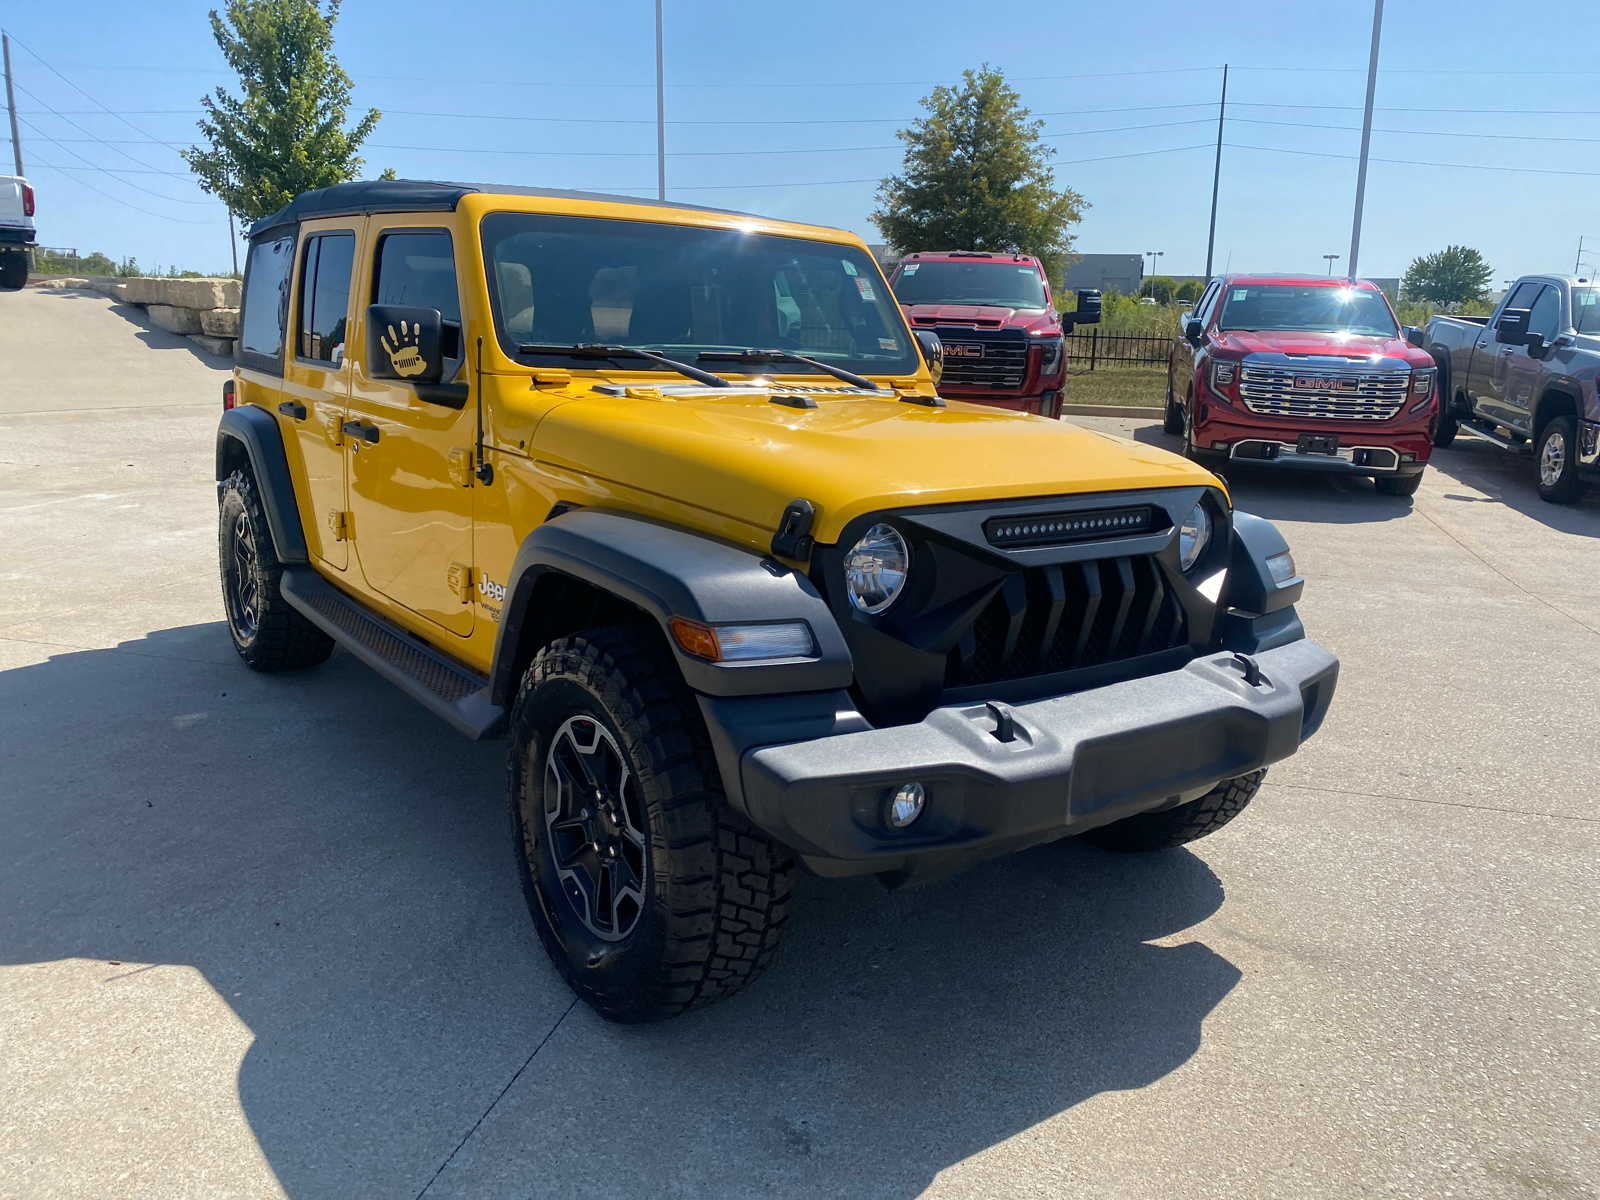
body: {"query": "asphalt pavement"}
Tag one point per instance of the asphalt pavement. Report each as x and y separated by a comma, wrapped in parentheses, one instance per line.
(263, 934)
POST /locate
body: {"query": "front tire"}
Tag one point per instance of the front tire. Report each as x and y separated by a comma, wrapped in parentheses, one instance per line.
(1555, 462)
(268, 632)
(1398, 485)
(1172, 420)
(1175, 826)
(649, 893)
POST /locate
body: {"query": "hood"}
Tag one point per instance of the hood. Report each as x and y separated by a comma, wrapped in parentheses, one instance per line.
(1267, 341)
(965, 314)
(745, 458)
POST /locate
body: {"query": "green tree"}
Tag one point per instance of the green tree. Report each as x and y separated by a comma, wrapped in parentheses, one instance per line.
(1188, 291)
(1450, 278)
(976, 177)
(285, 134)
(1160, 288)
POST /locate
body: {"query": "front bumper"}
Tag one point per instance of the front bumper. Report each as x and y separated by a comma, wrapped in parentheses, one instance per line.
(1076, 762)
(1400, 446)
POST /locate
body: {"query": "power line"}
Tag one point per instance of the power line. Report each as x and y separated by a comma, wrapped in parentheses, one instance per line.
(119, 199)
(82, 130)
(93, 100)
(1513, 137)
(1413, 162)
(89, 166)
(1471, 112)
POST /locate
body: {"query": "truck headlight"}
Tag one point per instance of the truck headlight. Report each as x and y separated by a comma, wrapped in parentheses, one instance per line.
(1422, 388)
(875, 569)
(1049, 356)
(1194, 535)
(1223, 375)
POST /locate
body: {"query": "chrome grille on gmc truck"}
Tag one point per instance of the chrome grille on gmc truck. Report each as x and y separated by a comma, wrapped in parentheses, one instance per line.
(1059, 618)
(1337, 395)
(984, 357)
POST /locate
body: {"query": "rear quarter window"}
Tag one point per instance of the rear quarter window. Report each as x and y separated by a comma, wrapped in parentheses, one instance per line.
(265, 303)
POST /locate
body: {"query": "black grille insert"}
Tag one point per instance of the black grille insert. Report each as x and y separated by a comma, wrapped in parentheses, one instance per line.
(1060, 618)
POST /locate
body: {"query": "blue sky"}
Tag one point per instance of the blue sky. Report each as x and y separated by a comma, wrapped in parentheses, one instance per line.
(791, 110)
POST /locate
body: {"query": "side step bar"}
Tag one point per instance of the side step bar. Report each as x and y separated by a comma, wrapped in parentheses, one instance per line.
(443, 687)
(1522, 447)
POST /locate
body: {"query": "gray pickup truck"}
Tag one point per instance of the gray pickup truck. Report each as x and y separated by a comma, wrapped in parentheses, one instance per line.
(1525, 377)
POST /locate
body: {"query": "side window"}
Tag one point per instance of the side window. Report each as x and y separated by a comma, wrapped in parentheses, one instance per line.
(266, 294)
(325, 296)
(1208, 300)
(1545, 318)
(1523, 296)
(419, 269)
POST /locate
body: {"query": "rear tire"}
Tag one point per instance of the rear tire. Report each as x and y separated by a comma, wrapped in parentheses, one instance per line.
(1398, 485)
(269, 633)
(1555, 462)
(1175, 826)
(649, 893)
(13, 270)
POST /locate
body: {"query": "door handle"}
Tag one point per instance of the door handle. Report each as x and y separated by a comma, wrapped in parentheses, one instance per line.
(359, 429)
(290, 408)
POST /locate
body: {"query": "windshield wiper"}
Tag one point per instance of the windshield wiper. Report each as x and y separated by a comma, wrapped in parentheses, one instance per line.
(601, 350)
(777, 356)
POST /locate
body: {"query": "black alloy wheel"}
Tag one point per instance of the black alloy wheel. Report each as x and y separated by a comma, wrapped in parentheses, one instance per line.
(241, 579)
(595, 824)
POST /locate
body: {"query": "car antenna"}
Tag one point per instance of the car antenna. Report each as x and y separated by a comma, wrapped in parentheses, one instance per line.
(485, 472)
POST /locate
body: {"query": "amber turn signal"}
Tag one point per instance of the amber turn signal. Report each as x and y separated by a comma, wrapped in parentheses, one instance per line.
(696, 639)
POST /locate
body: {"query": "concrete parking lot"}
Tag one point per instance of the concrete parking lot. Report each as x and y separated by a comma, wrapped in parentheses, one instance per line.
(263, 935)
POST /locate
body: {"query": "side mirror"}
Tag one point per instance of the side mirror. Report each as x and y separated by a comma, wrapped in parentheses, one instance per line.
(405, 344)
(1537, 346)
(1414, 335)
(1193, 333)
(1089, 301)
(932, 352)
(1512, 327)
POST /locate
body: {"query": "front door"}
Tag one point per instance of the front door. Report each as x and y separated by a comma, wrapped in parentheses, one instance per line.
(410, 493)
(316, 382)
(1494, 399)
(1523, 370)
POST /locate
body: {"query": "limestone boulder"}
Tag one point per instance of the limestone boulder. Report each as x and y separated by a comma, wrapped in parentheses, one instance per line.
(220, 322)
(199, 294)
(174, 319)
(214, 345)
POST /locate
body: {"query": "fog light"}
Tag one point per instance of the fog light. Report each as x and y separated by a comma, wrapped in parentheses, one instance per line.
(1281, 567)
(1219, 445)
(907, 804)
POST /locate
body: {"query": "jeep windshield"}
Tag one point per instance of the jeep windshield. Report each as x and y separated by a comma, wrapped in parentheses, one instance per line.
(996, 284)
(1309, 309)
(681, 291)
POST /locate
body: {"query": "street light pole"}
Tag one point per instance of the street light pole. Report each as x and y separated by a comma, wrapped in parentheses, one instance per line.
(1366, 136)
(661, 114)
(1216, 173)
(1330, 258)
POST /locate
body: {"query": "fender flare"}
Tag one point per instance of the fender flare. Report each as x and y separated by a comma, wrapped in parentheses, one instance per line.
(667, 572)
(1250, 585)
(256, 432)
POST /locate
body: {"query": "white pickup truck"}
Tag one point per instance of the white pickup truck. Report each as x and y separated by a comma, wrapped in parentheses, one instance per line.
(16, 231)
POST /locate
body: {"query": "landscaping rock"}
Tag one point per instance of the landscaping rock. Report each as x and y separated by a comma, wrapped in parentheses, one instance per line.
(220, 322)
(174, 319)
(178, 293)
(214, 345)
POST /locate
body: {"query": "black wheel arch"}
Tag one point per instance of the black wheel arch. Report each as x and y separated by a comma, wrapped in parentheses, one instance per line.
(248, 437)
(1555, 401)
(595, 566)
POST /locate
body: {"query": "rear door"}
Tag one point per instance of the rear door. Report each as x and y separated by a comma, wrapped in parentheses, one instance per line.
(316, 381)
(409, 459)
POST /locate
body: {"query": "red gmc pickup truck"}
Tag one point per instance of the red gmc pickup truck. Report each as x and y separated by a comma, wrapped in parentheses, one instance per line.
(993, 314)
(1302, 373)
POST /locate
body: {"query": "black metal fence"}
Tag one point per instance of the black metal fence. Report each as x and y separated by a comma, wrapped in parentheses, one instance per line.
(1116, 349)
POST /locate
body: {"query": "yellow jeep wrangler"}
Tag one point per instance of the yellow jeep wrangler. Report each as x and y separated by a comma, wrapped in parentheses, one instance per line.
(666, 497)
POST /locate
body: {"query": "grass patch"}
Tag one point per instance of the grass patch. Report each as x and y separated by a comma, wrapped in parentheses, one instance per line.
(1145, 386)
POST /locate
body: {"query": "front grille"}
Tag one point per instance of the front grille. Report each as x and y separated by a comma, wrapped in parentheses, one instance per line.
(1060, 618)
(996, 360)
(1335, 395)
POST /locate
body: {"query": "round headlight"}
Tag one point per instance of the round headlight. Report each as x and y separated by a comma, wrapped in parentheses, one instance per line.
(875, 569)
(1194, 535)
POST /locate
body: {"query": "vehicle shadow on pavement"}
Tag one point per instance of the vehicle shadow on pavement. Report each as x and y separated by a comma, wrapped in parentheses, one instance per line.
(153, 337)
(1508, 479)
(335, 862)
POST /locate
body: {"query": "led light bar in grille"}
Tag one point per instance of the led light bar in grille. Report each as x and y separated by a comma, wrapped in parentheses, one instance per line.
(1057, 529)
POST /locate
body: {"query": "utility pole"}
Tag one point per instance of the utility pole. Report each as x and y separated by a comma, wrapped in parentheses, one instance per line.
(1577, 263)
(1216, 174)
(1366, 136)
(661, 114)
(11, 106)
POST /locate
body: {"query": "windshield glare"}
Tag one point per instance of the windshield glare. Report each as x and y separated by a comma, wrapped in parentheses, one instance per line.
(560, 281)
(1000, 284)
(1312, 309)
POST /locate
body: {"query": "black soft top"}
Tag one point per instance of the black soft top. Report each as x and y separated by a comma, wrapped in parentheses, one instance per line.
(423, 195)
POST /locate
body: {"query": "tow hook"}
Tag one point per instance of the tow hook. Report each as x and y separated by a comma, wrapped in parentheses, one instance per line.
(1005, 724)
(1250, 667)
